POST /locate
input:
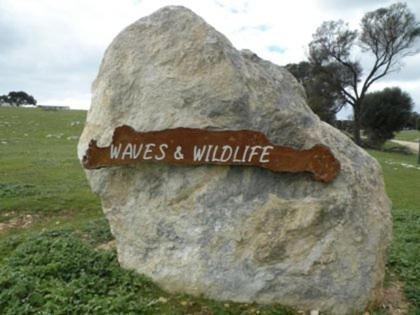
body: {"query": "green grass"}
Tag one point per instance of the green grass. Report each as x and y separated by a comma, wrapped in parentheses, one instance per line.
(52, 266)
(39, 168)
(402, 180)
(408, 135)
(59, 272)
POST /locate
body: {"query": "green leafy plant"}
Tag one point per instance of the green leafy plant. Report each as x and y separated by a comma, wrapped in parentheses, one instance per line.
(97, 231)
(57, 273)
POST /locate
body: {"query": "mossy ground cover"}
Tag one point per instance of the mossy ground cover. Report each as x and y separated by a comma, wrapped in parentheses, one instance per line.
(53, 266)
(61, 272)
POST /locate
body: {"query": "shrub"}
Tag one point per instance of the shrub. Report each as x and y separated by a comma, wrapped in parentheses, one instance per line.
(384, 113)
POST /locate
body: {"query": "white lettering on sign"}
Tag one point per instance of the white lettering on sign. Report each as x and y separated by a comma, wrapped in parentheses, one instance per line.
(162, 149)
(227, 153)
(138, 152)
(115, 151)
(128, 151)
(148, 151)
(134, 151)
(178, 153)
(198, 153)
(265, 154)
(192, 146)
(201, 153)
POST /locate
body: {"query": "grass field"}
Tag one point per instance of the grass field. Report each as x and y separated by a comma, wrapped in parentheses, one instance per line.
(402, 179)
(50, 225)
(408, 135)
(39, 168)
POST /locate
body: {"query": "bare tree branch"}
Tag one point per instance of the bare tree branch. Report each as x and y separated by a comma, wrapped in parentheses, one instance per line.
(387, 33)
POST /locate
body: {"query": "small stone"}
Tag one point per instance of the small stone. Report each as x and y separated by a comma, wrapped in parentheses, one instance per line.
(107, 246)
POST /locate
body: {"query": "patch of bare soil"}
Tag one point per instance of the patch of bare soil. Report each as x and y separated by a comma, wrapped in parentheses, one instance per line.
(394, 300)
(412, 146)
(12, 220)
(111, 245)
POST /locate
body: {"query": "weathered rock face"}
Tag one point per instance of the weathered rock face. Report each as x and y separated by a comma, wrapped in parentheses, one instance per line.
(232, 233)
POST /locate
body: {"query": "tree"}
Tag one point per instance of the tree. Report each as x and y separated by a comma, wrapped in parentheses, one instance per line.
(4, 99)
(414, 122)
(388, 34)
(384, 113)
(324, 99)
(18, 98)
(21, 98)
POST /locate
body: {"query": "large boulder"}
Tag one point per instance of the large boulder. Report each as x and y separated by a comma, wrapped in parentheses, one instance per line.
(232, 233)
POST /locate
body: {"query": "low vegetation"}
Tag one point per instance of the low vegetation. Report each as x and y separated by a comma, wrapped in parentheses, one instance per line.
(402, 179)
(50, 261)
(61, 272)
(408, 135)
(56, 272)
(39, 167)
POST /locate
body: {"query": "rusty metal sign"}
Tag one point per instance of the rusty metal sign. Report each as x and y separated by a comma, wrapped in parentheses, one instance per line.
(187, 146)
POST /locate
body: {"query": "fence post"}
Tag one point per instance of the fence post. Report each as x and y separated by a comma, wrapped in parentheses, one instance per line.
(418, 154)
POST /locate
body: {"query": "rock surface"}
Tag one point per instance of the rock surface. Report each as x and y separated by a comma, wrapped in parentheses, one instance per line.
(232, 233)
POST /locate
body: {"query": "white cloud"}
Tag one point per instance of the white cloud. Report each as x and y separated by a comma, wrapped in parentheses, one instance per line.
(53, 48)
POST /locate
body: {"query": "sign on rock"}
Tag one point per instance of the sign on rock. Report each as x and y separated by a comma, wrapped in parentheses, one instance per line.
(187, 146)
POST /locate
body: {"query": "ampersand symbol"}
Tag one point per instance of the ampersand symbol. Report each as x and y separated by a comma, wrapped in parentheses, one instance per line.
(178, 153)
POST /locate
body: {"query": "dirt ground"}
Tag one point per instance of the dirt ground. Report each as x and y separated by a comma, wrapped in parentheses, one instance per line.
(413, 146)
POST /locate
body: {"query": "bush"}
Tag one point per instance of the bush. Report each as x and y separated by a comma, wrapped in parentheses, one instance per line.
(384, 113)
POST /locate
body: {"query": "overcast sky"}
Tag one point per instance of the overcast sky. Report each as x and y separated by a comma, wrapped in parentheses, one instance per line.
(52, 49)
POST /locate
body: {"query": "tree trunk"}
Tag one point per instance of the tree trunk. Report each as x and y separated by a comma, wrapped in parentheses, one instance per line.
(356, 125)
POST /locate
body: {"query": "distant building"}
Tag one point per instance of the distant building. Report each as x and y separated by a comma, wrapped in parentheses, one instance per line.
(53, 107)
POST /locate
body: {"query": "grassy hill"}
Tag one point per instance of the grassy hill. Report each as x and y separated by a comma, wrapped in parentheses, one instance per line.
(51, 227)
(41, 181)
(39, 168)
